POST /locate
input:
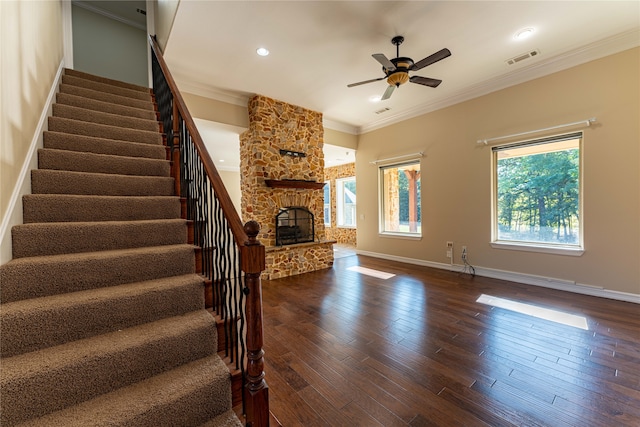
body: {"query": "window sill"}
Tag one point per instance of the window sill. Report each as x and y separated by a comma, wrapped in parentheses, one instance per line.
(546, 249)
(406, 236)
(352, 227)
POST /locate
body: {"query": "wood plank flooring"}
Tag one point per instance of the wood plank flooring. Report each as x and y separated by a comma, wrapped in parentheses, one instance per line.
(347, 349)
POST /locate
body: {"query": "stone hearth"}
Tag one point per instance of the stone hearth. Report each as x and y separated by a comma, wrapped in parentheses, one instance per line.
(284, 144)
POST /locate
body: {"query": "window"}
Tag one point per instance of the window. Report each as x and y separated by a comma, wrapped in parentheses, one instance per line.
(346, 202)
(400, 199)
(537, 194)
(327, 203)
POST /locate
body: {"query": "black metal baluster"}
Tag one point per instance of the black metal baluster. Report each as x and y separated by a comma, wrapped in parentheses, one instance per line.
(221, 256)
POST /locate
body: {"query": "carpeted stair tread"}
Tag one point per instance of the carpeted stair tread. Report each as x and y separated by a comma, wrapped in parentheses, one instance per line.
(90, 144)
(71, 207)
(56, 238)
(105, 87)
(227, 419)
(102, 319)
(100, 79)
(186, 397)
(105, 107)
(77, 127)
(48, 181)
(31, 382)
(101, 163)
(99, 117)
(37, 323)
(34, 277)
(106, 97)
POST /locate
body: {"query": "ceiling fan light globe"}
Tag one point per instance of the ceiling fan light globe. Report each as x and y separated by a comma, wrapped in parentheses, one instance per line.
(397, 79)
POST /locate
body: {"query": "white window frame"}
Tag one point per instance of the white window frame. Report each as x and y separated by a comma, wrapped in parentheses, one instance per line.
(531, 246)
(327, 218)
(340, 203)
(381, 197)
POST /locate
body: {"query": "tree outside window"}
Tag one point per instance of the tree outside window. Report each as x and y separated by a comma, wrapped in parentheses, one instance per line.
(346, 202)
(400, 201)
(537, 197)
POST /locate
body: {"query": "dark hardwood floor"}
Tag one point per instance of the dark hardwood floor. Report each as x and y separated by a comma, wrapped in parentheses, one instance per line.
(348, 349)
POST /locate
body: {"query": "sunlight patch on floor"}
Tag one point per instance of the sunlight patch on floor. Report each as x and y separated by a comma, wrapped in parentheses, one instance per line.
(539, 312)
(370, 272)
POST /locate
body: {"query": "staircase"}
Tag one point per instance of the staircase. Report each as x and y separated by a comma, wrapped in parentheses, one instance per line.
(103, 319)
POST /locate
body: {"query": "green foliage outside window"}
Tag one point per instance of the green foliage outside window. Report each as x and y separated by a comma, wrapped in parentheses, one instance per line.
(539, 197)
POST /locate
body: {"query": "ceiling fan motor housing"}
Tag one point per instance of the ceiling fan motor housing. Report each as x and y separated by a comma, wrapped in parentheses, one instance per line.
(400, 75)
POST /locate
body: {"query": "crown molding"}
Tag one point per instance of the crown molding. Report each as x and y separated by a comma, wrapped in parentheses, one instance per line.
(605, 47)
(86, 5)
(339, 126)
(188, 85)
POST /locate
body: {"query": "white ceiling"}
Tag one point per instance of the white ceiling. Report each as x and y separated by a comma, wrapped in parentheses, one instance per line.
(318, 47)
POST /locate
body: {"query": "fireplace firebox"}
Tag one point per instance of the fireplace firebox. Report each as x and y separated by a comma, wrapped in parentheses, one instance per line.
(294, 225)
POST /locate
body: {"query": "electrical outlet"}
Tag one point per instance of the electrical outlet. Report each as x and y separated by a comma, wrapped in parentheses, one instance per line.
(450, 250)
(464, 253)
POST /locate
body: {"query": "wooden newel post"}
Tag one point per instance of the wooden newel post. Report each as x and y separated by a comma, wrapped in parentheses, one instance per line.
(256, 389)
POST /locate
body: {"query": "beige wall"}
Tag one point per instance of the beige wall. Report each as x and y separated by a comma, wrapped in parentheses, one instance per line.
(231, 181)
(341, 139)
(204, 108)
(164, 16)
(31, 51)
(456, 173)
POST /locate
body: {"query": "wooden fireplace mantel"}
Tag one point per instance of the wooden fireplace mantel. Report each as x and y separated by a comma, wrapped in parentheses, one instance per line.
(293, 183)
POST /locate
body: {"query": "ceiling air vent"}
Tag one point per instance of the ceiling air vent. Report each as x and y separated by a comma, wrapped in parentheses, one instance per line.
(384, 110)
(522, 57)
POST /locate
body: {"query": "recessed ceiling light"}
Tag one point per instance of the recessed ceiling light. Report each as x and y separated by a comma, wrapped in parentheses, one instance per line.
(221, 160)
(262, 51)
(524, 33)
(375, 98)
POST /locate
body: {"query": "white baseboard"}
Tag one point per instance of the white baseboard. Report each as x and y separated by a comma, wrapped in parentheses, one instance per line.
(23, 185)
(528, 279)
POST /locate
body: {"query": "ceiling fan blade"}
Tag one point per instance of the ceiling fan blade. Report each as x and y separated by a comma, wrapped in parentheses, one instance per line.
(426, 81)
(388, 92)
(438, 56)
(365, 82)
(384, 61)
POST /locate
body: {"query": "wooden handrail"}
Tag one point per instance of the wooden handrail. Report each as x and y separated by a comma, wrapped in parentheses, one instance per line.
(222, 194)
(252, 254)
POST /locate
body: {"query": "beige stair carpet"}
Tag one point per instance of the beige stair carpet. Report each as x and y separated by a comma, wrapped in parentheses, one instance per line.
(102, 318)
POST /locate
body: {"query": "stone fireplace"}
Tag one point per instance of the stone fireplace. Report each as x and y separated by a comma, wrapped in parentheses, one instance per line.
(282, 170)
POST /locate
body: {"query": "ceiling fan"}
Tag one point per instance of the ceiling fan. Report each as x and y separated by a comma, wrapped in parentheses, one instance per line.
(397, 70)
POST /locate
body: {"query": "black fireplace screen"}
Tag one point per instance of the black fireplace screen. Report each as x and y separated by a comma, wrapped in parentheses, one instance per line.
(294, 225)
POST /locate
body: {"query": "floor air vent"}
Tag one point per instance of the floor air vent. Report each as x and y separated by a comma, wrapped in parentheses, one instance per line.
(522, 57)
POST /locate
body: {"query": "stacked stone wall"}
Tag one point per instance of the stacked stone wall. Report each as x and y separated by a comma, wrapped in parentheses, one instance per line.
(342, 235)
(275, 126)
